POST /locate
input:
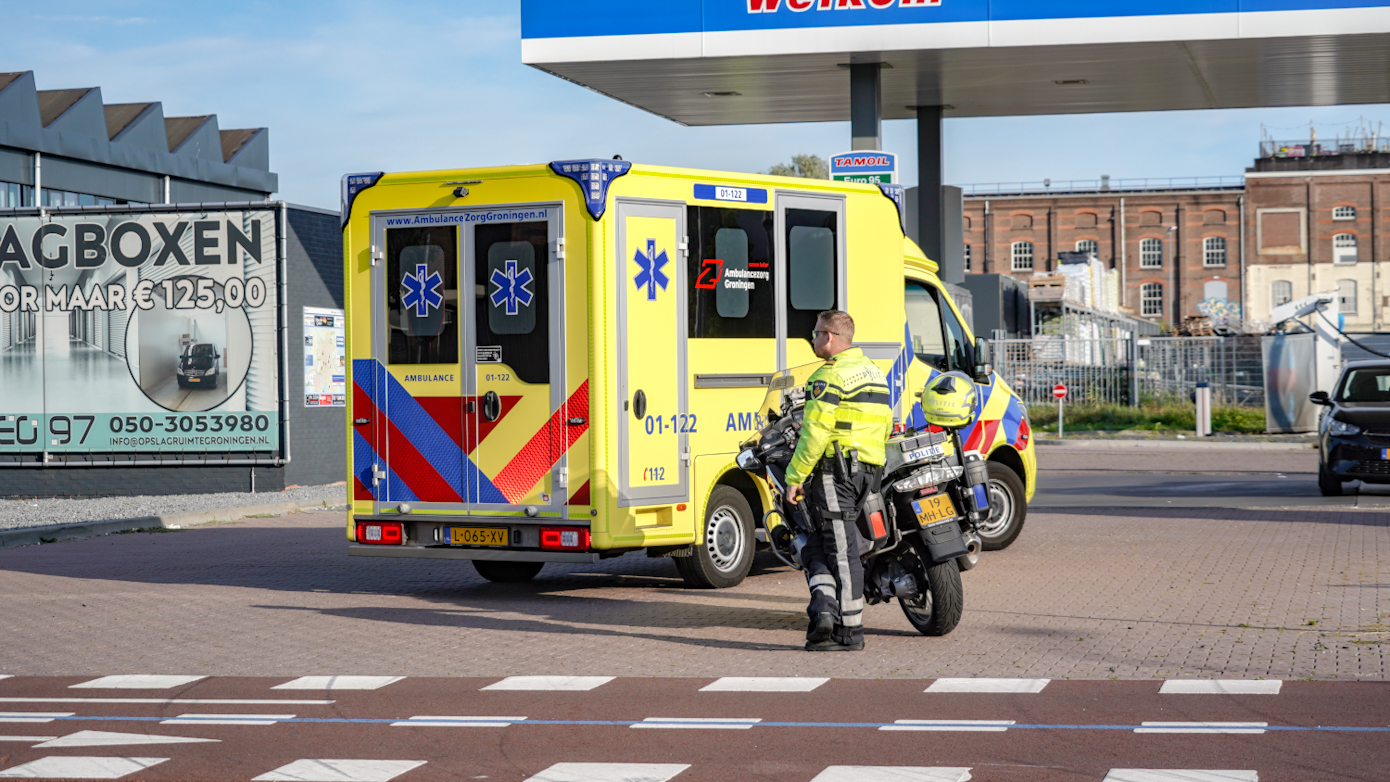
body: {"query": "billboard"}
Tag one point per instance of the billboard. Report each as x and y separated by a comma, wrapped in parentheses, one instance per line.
(140, 331)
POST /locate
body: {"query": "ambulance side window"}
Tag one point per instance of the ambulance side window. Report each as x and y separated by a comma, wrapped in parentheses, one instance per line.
(924, 323)
(422, 295)
(812, 268)
(729, 275)
(513, 294)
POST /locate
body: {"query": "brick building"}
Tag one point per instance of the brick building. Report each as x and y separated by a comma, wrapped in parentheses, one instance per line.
(1304, 217)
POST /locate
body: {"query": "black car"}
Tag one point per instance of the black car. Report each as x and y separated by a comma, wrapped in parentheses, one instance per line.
(197, 366)
(1354, 430)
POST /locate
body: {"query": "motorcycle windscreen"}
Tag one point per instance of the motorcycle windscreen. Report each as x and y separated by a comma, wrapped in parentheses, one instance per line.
(788, 381)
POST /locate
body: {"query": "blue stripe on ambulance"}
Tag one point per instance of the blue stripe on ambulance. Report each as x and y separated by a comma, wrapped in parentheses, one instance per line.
(363, 453)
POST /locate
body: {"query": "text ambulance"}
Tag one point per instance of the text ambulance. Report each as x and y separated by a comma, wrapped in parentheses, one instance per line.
(557, 363)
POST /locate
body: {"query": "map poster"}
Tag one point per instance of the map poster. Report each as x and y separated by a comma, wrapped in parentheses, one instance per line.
(325, 359)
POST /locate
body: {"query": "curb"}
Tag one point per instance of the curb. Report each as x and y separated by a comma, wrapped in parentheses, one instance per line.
(30, 536)
(1178, 445)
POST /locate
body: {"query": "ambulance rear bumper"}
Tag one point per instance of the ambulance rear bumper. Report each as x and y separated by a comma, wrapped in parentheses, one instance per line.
(459, 552)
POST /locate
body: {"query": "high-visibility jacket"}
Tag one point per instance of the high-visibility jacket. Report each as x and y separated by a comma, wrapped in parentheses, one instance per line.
(847, 402)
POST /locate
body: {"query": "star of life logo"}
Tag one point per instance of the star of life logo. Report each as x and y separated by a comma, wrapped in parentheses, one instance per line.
(422, 291)
(511, 287)
(772, 6)
(651, 274)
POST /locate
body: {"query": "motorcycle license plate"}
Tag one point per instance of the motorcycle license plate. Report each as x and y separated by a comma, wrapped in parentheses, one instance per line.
(477, 536)
(933, 509)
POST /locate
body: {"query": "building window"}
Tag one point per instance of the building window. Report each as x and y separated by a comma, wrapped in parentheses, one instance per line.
(1214, 251)
(967, 257)
(1281, 292)
(1151, 297)
(1344, 213)
(1344, 248)
(1150, 253)
(1022, 255)
(1346, 297)
(1089, 246)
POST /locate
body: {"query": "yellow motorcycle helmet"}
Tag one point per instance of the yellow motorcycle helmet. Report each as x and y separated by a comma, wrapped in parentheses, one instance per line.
(949, 400)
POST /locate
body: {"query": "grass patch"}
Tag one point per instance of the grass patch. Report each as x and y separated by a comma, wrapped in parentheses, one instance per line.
(1150, 417)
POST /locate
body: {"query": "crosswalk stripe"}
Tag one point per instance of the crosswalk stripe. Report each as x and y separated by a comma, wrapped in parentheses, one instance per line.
(32, 716)
(558, 683)
(1221, 687)
(80, 767)
(27, 739)
(1178, 775)
(338, 683)
(983, 726)
(893, 774)
(102, 738)
(227, 719)
(457, 722)
(137, 682)
(989, 685)
(1202, 727)
(222, 701)
(764, 684)
(705, 723)
(609, 772)
(318, 770)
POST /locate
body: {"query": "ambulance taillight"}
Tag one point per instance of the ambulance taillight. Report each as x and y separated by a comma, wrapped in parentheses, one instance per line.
(565, 538)
(382, 533)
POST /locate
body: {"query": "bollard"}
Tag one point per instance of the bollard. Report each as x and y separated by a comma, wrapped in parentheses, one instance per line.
(1203, 409)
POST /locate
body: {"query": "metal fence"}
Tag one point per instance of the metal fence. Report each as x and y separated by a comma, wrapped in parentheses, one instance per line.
(1129, 371)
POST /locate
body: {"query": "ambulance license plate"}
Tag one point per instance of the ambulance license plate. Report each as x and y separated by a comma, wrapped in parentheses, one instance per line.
(478, 536)
(933, 509)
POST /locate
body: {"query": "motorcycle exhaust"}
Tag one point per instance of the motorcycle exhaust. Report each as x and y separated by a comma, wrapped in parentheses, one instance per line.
(973, 547)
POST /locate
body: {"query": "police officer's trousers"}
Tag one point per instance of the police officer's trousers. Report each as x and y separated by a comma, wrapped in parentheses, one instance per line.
(833, 570)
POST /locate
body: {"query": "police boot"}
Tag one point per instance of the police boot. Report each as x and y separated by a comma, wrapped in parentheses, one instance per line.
(833, 645)
(820, 629)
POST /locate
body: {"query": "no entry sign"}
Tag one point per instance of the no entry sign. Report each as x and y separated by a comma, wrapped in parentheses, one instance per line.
(1059, 391)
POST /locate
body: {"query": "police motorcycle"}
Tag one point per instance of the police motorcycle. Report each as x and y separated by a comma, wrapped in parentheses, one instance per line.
(918, 529)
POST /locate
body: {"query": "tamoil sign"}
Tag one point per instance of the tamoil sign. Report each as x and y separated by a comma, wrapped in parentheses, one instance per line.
(871, 166)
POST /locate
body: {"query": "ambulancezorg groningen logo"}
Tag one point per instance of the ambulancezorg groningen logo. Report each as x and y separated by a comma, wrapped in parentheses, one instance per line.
(771, 6)
(422, 290)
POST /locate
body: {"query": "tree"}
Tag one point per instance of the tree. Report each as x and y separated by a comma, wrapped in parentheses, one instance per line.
(804, 166)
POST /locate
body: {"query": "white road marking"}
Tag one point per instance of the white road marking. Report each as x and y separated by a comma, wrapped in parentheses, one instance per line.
(32, 716)
(982, 726)
(137, 682)
(1221, 687)
(80, 768)
(338, 683)
(1202, 727)
(26, 739)
(893, 774)
(764, 684)
(340, 771)
(609, 772)
(227, 719)
(1178, 775)
(223, 701)
(457, 722)
(699, 723)
(571, 683)
(101, 738)
(989, 685)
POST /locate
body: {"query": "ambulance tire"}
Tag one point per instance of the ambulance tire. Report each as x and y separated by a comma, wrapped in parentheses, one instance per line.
(507, 572)
(1008, 508)
(724, 553)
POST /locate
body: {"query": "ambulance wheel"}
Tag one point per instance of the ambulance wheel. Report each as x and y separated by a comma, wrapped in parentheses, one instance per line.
(938, 608)
(724, 554)
(1008, 507)
(507, 572)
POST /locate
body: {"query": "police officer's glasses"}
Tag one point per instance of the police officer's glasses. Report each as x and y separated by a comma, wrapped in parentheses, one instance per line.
(815, 335)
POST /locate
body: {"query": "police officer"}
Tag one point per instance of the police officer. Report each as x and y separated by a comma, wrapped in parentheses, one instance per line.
(845, 426)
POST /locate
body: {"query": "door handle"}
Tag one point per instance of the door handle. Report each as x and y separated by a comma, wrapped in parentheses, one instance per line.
(639, 405)
(470, 407)
(492, 406)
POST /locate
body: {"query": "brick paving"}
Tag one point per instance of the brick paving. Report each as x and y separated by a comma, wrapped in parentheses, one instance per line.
(1090, 594)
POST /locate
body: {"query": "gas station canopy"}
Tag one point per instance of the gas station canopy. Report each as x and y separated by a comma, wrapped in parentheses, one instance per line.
(720, 62)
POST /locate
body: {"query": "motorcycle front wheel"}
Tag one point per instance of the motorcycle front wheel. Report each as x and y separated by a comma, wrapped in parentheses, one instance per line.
(937, 609)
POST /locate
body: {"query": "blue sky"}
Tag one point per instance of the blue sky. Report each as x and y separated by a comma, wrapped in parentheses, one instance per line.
(396, 86)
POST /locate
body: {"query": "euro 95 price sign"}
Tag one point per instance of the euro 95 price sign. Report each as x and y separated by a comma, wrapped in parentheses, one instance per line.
(135, 331)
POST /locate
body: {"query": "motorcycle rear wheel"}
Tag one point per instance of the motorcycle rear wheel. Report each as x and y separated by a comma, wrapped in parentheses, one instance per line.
(938, 608)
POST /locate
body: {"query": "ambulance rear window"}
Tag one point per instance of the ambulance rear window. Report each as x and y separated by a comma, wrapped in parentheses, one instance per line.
(729, 275)
(422, 295)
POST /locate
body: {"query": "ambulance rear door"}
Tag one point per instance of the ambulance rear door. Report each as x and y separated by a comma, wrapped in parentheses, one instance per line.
(652, 409)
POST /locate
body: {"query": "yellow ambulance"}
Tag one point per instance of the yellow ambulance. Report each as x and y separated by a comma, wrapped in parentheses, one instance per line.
(557, 363)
